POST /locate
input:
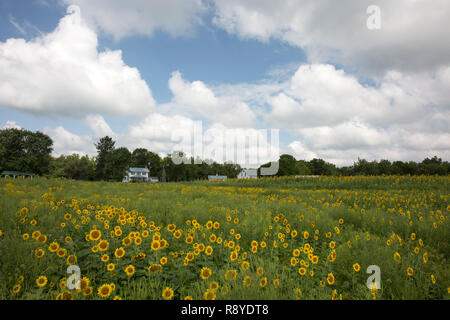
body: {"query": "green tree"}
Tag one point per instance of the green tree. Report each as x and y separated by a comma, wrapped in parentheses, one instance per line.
(73, 167)
(384, 167)
(155, 164)
(57, 166)
(287, 165)
(432, 166)
(364, 167)
(140, 158)
(317, 166)
(79, 168)
(104, 147)
(117, 162)
(231, 169)
(302, 167)
(24, 150)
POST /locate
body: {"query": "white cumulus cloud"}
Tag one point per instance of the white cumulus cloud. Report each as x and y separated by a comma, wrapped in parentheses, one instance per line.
(63, 73)
(411, 36)
(198, 99)
(11, 125)
(67, 143)
(321, 95)
(143, 17)
(335, 116)
(98, 126)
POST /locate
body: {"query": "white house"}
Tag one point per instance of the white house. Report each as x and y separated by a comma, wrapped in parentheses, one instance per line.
(136, 174)
(248, 174)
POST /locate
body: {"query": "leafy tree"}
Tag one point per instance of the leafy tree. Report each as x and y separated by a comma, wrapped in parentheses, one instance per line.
(433, 166)
(302, 168)
(435, 160)
(321, 167)
(231, 170)
(399, 167)
(140, 158)
(79, 168)
(384, 167)
(38, 147)
(287, 165)
(155, 164)
(117, 162)
(24, 150)
(364, 167)
(73, 167)
(104, 147)
(57, 167)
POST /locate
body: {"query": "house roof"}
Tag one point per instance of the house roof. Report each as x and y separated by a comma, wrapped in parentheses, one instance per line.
(250, 172)
(145, 170)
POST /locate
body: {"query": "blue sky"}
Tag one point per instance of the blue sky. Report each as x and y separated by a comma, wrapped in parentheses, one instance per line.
(209, 54)
(333, 88)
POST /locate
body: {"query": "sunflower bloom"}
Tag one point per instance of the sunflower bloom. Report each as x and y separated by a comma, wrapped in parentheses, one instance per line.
(130, 270)
(104, 290)
(205, 273)
(167, 293)
(209, 295)
(263, 282)
(330, 279)
(410, 271)
(41, 281)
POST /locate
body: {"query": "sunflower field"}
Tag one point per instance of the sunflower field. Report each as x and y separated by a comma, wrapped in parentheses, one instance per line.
(271, 238)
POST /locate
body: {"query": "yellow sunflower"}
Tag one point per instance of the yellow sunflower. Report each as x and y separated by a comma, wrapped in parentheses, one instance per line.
(167, 293)
(247, 281)
(330, 279)
(410, 271)
(302, 271)
(41, 281)
(214, 285)
(53, 247)
(119, 253)
(130, 270)
(205, 273)
(16, 289)
(209, 295)
(263, 282)
(94, 235)
(104, 290)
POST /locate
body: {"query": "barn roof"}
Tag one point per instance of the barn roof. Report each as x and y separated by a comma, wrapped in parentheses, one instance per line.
(17, 173)
(216, 177)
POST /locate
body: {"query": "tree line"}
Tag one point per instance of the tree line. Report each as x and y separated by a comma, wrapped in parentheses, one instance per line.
(289, 166)
(26, 151)
(111, 164)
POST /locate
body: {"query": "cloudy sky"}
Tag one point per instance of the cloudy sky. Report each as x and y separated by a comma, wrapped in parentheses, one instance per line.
(138, 70)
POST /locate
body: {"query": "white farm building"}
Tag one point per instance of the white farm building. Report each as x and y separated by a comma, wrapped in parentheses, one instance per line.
(248, 174)
(136, 174)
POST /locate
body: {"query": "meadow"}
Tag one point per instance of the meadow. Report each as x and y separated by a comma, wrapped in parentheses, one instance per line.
(271, 238)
